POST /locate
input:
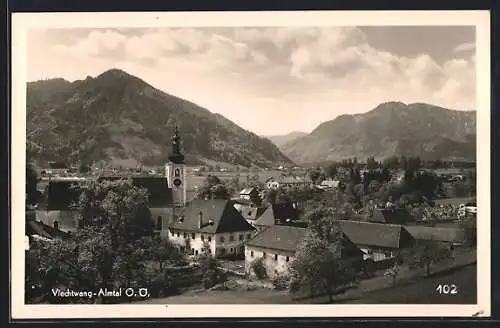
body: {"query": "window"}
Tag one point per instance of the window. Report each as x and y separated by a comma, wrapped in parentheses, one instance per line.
(185, 235)
(178, 234)
(241, 237)
(287, 258)
(202, 238)
(263, 255)
(231, 238)
(231, 250)
(209, 238)
(193, 236)
(251, 253)
(221, 239)
(249, 213)
(369, 252)
(210, 251)
(276, 257)
(196, 252)
(387, 254)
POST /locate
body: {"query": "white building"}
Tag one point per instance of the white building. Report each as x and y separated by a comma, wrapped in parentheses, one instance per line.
(276, 247)
(211, 227)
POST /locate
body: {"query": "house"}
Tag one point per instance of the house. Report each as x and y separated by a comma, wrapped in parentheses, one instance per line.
(276, 214)
(277, 245)
(249, 193)
(294, 182)
(390, 215)
(272, 183)
(57, 206)
(160, 201)
(212, 227)
(329, 184)
(37, 230)
(239, 203)
(378, 241)
(449, 235)
(57, 168)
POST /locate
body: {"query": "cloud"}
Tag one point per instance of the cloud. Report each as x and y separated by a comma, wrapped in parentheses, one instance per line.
(312, 72)
(465, 47)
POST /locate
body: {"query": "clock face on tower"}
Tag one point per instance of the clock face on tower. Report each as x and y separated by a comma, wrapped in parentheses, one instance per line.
(177, 182)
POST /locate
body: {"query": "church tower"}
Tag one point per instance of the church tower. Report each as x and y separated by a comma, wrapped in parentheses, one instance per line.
(176, 172)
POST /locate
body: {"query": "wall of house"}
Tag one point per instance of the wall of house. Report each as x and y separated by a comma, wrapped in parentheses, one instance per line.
(66, 220)
(272, 264)
(376, 254)
(197, 244)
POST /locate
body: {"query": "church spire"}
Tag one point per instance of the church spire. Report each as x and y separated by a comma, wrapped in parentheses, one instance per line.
(176, 155)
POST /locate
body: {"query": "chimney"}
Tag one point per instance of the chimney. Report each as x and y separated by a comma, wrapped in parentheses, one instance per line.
(200, 220)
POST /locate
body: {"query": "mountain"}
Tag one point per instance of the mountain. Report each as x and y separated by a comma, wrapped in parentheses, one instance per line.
(392, 128)
(120, 119)
(283, 139)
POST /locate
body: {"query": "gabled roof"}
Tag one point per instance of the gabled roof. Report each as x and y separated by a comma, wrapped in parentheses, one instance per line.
(59, 196)
(222, 214)
(159, 194)
(288, 238)
(376, 234)
(252, 213)
(450, 235)
(247, 191)
(43, 230)
(391, 215)
(330, 183)
(277, 213)
(277, 237)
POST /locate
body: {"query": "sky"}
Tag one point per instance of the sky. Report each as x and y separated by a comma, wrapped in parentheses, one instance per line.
(296, 77)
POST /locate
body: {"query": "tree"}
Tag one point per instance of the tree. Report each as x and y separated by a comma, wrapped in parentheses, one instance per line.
(318, 264)
(371, 163)
(114, 246)
(213, 188)
(428, 253)
(331, 171)
(32, 193)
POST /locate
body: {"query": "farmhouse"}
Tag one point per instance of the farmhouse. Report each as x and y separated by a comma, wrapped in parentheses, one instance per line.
(56, 208)
(378, 241)
(249, 193)
(275, 214)
(213, 227)
(449, 235)
(276, 246)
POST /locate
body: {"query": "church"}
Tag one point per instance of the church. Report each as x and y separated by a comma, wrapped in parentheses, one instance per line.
(202, 226)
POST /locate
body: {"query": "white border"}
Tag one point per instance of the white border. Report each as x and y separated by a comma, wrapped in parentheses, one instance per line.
(21, 22)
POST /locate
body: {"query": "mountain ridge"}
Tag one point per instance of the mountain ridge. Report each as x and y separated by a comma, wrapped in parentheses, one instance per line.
(280, 140)
(119, 118)
(391, 128)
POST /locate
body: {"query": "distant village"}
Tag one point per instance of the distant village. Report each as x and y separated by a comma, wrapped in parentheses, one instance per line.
(252, 222)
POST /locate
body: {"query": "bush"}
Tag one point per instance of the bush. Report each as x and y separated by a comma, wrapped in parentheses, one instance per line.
(281, 281)
(212, 275)
(259, 269)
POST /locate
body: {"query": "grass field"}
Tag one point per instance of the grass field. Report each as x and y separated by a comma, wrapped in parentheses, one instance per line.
(424, 290)
(421, 291)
